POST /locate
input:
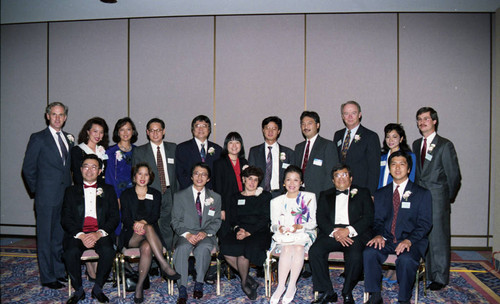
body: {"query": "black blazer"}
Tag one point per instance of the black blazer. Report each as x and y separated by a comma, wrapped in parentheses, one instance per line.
(224, 179)
(257, 158)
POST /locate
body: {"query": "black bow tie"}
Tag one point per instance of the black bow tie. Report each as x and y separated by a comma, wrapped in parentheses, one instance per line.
(337, 191)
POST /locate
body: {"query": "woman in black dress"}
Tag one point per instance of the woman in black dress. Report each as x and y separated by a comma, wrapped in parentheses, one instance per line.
(140, 212)
(250, 236)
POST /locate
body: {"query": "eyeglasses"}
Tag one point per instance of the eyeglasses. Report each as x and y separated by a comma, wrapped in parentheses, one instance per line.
(90, 167)
(203, 174)
(201, 126)
(341, 174)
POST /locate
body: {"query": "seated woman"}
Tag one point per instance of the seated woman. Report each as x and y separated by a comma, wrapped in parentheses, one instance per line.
(293, 221)
(249, 237)
(140, 212)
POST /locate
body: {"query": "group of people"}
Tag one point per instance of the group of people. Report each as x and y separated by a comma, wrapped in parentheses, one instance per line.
(192, 197)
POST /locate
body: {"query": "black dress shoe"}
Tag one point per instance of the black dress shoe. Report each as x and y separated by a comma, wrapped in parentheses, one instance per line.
(372, 300)
(138, 300)
(100, 297)
(181, 300)
(76, 298)
(53, 285)
(348, 298)
(198, 294)
(252, 283)
(306, 274)
(250, 292)
(436, 286)
(326, 297)
(63, 279)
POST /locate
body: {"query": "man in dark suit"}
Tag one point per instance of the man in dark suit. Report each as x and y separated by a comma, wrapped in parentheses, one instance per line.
(344, 217)
(198, 149)
(437, 169)
(46, 169)
(271, 157)
(316, 155)
(358, 147)
(403, 218)
(89, 218)
(160, 155)
(195, 219)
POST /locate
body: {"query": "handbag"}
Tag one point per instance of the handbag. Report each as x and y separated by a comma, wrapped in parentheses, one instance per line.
(284, 238)
(131, 278)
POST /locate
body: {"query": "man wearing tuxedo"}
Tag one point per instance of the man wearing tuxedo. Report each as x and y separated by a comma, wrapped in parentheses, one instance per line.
(196, 217)
(198, 149)
(271, 157)
(344, 217)
(46, 170)
(403, 218)
(358, 147)
(89, 218)
(437, 169)
(160, 155)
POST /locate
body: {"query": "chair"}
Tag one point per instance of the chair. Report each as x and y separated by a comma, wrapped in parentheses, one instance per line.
(271, 258)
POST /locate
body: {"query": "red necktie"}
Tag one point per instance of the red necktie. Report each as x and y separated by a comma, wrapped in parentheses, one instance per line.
(161, 170)
(422, 153)
(395, 205)
(306, 157)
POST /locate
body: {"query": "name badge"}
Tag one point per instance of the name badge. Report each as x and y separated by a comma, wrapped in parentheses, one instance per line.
(405, 205)
(149, 196)
(285, 165)
(170, 160)
(318, 162)
(339, 143)
(211, 212)
(383, 163)
(428, 157)
(105, 157)
(241, 202)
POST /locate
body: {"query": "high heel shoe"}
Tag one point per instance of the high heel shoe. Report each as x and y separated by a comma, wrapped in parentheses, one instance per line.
(173, 277)
(287, 299)
(138, 300)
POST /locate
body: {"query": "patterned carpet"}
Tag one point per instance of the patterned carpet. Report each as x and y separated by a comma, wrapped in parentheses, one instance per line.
(473, 280)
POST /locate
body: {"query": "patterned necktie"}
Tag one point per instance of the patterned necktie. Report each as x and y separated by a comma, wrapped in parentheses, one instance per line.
(161, 170)
(306, 158)
(269, 170)
(202, 152)
(422, 153)
(64, 151)
(345, 146)
(198, 206)
(395, 205)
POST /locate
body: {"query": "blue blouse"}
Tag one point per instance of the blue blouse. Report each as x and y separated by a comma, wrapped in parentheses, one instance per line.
(119, 169)
(383, 164)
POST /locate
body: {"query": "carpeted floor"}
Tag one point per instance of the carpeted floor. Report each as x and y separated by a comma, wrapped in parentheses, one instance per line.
(473, 280)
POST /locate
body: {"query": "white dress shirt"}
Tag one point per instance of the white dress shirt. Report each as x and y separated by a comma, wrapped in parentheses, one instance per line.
(275, 153)
(56, 138)
(163, 158)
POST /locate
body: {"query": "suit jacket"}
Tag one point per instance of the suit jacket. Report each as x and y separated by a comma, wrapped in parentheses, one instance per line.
(384, 164)
(73, 210)
(257, 158)
(43, 168)
(146, 154)
(322, 158)
(185, 217)
(414, 221)
(360, 212)
(224, 179)
(187, 154)
(363, 157)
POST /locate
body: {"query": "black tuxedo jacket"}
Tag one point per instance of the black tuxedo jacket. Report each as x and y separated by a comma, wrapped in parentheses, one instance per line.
(257, 158)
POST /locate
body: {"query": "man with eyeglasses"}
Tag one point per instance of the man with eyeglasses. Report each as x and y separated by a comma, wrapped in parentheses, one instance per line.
(437, 169)
(198, 149)
(160, 155)
(344, 217)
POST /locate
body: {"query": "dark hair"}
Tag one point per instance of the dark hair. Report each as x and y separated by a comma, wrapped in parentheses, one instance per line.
(350, 102)
(293, 169)
(120, 123)
(136, 168)
(405, 155)
(434, 114)
(255, 171)
(56, 104)
(83, 136)
(155, 120)
(92, 156)
(204, 119)
(202, 165)
(233, 136)
(274, 119)
(339, 167)
(401, 132)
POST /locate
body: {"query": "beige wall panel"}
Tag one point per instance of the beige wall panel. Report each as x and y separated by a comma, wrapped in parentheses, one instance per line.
(171, 73)
(260, 72)
(88, 70)
(445, 63)
(23, 101)
(352, 57)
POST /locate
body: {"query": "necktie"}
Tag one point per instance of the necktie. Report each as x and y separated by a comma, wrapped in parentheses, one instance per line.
(269, 170)
(90, 186)
(64, 151)
(198, 206)
(337, 192)
(161, 170)
(422, 153)
(395, 206)
(345, 146)
(306, 157)
(202, 152)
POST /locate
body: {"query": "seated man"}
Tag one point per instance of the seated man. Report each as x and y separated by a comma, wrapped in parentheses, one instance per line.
(403, 218)
(195, 220)
(89, 219)
(344, 216)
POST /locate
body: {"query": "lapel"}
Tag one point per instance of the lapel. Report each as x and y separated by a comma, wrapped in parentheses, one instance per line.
(195, 152)
(332, 203)
(51, 143)
(99, 205)
(262, 155)
(205, 217)
(80, 202)
(401, 218)
(427, 162)
(318, 144)
(355, 143)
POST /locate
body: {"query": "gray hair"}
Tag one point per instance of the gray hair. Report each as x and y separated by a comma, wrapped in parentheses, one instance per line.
(55, 104)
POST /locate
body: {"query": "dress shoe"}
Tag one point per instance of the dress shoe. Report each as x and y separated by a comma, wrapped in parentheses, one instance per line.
(326, 297)
(436, 286)
(139, 300)
(348, 298)
(53, 285)
(252, 283)
(181, 300)
(76, 298)
(374, 300)
(198, 294)
(100, 297)
(287, 299)
(404, 302)
(250, 292)
(63, 279)
(306, 274)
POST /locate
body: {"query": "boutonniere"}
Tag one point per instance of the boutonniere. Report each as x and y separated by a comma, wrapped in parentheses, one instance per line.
(70, 138)
(99, 192)
(211, 150)
(119, 155)
(244, 167)
(282, 156)
(101, 150)
(406, 195)
(258, 191)
(357, 138)
(354, 191)
(431, 147)
(209, 201)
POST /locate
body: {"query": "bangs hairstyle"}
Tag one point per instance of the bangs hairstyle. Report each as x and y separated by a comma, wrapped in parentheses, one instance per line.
(233, 136)
(253, 171)
(120, 123)
(136, 168)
